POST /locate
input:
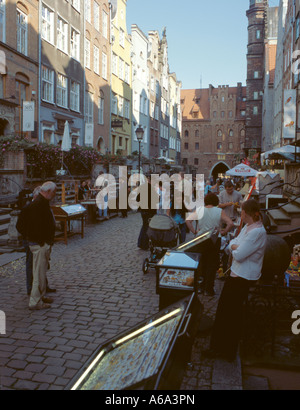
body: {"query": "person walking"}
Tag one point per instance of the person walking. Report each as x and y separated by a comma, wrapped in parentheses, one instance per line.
(40, 230)
(248, 251)
(209, 219)
(147, 213)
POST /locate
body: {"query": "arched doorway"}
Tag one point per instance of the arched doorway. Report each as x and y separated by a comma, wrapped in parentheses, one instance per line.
(4, 126)
(220, 168)
(101, 145)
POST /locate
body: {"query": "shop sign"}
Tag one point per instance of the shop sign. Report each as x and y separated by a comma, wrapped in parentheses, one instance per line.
(28, 116)
(117, 124)
(289, 114)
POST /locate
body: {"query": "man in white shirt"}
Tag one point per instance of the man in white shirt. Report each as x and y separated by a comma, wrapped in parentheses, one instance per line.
(230, 200)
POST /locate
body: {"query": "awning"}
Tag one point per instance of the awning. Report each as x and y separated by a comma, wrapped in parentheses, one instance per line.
(284, 152)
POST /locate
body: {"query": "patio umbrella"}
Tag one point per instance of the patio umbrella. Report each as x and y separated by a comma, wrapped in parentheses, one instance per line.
(66, 142)
(242, 170)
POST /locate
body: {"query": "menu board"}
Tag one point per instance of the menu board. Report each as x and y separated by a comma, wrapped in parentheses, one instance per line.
(177, 278)
(135, 359)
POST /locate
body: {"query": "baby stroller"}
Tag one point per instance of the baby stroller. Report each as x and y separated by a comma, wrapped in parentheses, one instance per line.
(163, 235)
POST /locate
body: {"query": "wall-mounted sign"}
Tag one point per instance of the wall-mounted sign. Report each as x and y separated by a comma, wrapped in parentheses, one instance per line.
(28, 116)
(117, 124)
(289, 119)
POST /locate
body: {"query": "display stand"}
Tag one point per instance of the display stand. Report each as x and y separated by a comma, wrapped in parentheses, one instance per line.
(65, 214)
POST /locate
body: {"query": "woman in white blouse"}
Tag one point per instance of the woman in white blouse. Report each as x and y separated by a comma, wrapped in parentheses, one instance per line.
(248, 254)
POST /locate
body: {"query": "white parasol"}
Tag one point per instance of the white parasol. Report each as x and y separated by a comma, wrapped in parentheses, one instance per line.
(66, 142)
(242, 170)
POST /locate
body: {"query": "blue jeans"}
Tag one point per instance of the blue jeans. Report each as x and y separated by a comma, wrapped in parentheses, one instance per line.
(103, 212)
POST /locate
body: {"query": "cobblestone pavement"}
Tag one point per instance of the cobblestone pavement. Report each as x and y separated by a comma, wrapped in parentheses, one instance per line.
(101, 291)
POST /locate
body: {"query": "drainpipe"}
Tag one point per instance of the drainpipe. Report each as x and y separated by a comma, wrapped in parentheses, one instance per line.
(40, 73)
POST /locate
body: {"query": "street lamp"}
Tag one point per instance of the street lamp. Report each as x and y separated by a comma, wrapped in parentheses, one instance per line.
(139, 135)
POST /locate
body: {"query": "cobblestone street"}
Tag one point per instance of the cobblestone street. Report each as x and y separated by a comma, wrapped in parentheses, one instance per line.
(101, 291)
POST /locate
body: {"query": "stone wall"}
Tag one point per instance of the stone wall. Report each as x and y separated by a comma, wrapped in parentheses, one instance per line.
(12, 176)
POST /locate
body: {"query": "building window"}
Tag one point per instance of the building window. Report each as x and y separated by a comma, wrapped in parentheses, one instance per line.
(230, 114)
(258, 34)
(215, 114)
(75, 4)
(105, 24)
(96, 60)
(197, 146)
(256, 74)
(127, 73)
(255, 110)
(47, 24)
(197, 134)
(21, 94)
(21, 32)
(87, 7)
(96, 16)
(101, 110)
(122, 38)
(297, 27)
(186, 146)
(62, 91)
(87, 53)
(219, 146)
(230, 133)
(104, 66)
(75, 44)
(220, 134)
(47, 85)
(243, 113)
(114, 107)
(121, 106)
(74, 96)
(196, 161)
(127, 109)
(114, 64)
(186, 133)
(230, 146)
(222, 114)
(62, 35)
(255, 95)
(88, 107)
(2, 20)
(121, 68)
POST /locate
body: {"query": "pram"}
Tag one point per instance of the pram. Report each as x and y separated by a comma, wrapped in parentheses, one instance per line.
(163, 235)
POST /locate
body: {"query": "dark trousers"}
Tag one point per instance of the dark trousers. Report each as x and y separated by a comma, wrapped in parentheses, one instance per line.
(228, 323)
(143, 241)
(210, 262)
(29, 262)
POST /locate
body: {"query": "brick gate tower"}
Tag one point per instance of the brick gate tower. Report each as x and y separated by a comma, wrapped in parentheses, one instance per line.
(255, 75)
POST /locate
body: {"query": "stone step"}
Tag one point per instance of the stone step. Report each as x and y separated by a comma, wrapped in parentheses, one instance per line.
(4, 219)
(279, 217)
(291, 210)
(255, 383)
(4, 239)
(4, 229)
(5, 211)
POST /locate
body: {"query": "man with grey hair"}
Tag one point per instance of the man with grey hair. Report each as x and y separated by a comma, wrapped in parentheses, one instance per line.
(40, 231)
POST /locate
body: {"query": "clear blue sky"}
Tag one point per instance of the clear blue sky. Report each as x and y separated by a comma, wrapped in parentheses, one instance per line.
(206, 38)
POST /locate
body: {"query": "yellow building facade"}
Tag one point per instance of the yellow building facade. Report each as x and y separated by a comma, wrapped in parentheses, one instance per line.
(120, 82)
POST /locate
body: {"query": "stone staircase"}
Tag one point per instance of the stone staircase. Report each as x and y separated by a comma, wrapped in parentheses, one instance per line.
(285, 218)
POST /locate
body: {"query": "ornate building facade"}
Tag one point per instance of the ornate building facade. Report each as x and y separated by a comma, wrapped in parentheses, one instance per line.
(213, 129)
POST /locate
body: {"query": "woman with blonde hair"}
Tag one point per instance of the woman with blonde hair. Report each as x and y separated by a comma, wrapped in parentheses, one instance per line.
(248, 251)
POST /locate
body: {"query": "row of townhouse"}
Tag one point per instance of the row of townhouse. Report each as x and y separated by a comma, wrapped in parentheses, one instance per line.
(281, 98)
(75, 61)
